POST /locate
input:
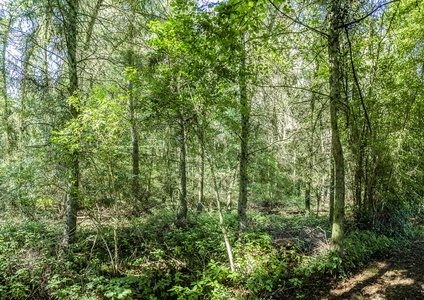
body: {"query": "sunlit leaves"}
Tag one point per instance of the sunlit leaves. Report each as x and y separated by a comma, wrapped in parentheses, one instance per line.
(101, 121)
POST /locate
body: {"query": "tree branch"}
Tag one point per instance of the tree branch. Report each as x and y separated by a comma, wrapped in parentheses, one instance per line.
(294, 87)
(298, 22)
(368, 14)
(356, 79)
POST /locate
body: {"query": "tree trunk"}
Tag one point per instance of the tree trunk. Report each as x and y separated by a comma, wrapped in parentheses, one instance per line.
(308, 196)
(29, 50)
(337, 236)
(200, 134)
(135, 149)
(245, 113)
(202, 173)
(4, 90)
(331, 190)
(318, 195)
(182, 207)
(71, 41)
(359, 175)
(310, 158)
(221, 218)
(135, 187)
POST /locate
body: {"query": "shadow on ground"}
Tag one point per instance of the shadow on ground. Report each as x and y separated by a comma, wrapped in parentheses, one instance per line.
(400, 276)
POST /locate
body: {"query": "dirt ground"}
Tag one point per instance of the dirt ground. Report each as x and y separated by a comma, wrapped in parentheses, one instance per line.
(400, 276)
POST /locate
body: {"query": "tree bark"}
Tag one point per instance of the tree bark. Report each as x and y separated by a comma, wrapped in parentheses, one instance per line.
(308, 196)
(337, 236)
(221, 218)
(202, 172)
(29, 50)
(182, 207)
(359, 174)
(4, 90)
(135, 188)
(71, 40)
(331, 190)
(245, 113)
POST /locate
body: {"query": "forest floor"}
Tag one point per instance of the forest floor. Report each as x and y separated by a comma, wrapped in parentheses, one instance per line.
(160, 261)
(399, 276)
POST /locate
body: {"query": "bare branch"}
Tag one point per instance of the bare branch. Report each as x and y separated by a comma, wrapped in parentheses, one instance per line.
(298, 22)
(294, 87)
(368, 14)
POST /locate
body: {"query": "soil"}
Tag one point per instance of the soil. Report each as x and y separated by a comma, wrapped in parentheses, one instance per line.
(399, 276)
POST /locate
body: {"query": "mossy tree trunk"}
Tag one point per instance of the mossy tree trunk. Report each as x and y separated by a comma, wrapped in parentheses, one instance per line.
(335, 80)
(70, 18)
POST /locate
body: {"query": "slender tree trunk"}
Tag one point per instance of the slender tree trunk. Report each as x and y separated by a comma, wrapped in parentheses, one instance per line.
(91, 23)
(135, 149)
(29, 50)
(182, 207)
(71, 41)
(310, 158)
(200, 134)
(318, 195)
(230, 191)
(245, 114)
(308, 196)
(4, 90)
(202, 172)
(221, 218)
(359, 174)
(169, 179)
(331, 190)
(337, 236)
(131, 99)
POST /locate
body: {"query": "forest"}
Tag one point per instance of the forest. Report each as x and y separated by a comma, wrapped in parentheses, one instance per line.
(186, 149)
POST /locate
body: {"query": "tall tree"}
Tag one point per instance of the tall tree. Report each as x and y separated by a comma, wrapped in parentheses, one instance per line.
(244, 139)
(4, 87)
(70, 17)
(335, 82)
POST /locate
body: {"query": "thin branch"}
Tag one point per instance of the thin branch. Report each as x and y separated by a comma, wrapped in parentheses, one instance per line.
(298, 22)
(368, 14)
(356, 79)
(295, 87)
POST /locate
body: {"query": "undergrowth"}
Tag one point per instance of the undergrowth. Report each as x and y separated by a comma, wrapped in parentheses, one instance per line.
(159, 261)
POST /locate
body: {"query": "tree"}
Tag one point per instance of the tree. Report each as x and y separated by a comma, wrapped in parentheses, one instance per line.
(4, 86)
(335, 80)
(70, 17)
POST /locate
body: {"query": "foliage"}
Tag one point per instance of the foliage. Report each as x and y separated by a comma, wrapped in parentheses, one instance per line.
(160, 261)
(153, 74)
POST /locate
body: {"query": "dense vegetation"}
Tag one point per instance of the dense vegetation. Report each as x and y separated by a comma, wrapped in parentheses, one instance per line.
(186, 150)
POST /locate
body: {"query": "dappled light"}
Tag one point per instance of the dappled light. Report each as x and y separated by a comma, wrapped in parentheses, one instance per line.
(397, 277)
(188, 150)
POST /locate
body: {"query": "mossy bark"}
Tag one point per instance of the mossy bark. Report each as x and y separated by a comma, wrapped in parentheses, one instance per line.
(335, 79)
(71, 41)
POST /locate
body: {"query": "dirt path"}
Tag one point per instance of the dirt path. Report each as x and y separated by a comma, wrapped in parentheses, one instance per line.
(400, 276)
